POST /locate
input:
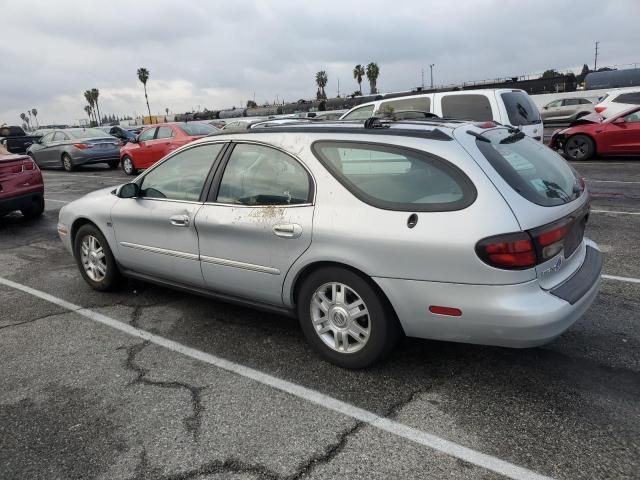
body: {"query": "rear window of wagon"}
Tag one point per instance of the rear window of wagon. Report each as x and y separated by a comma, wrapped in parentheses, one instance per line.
(396, 178)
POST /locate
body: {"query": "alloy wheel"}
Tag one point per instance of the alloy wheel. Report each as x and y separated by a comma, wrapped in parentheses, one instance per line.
(127, 165)
(340, 317)
(66, 161)
(577, 148)
(93, 258)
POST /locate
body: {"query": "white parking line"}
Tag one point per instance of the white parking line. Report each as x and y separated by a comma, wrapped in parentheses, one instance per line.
(614, 212)
(396, 428)
(610, 181)
(586, 164)
(99, 177)
(47, 199)
(622, 279)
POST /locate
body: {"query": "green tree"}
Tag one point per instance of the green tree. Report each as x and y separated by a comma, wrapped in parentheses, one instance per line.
(358, 73)
(35, 116)
(373, 72)
(143, 76)
(251, 104)
(551, 73)
(95, 93)
(321, 81)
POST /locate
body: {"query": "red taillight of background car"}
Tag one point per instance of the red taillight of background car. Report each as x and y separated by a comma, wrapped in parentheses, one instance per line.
(512, 251)
(600, 109)
(28, 165)
(82, 146)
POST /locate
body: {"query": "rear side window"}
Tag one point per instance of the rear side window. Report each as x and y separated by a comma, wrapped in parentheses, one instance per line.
(421, 104)
(520, 109)
(467, 107)
(164, 132)
(361, 113)
(396, 178)
(584, 101)
(629, 98)
(534, 171)
(571, 101)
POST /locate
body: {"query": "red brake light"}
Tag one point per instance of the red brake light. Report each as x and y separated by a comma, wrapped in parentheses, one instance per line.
(28, 165)
(512, 251)
(82, 146)
(600, 109)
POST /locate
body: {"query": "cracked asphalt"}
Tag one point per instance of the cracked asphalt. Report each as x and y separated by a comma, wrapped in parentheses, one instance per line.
(82, 400)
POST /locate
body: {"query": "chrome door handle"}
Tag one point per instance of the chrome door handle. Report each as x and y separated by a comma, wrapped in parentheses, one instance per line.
(179, 220)
(288, 230)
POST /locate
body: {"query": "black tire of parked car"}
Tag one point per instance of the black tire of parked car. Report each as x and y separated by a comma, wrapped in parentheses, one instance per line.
(112, 279)
(113, 165)
(35, 209)
(579, 147)
(127, 166)
(385, 330)
(582, 114)
(67, 163)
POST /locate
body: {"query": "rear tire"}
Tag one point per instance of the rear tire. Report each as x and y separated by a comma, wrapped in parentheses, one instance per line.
(345, 319)
(128, 167)
(67, 163)
(95, 260)
(582, 114)
(113, 165)
(579, 147)
(36, 209)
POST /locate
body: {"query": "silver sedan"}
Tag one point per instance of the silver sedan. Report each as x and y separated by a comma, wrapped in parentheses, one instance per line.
(72, 147)
(443, 230)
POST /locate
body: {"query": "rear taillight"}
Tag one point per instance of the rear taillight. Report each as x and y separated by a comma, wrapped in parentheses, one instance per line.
(28, 165)
(549, 239)
(600, 109)
(512, 251)
(82, 146)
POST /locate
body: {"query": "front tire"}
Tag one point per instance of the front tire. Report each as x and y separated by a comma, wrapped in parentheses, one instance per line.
(344, 319)
(579, 147)
(67, 163)
(95, 260)
(128, 167)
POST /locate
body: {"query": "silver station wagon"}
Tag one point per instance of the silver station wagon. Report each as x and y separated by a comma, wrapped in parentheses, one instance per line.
(434, 229)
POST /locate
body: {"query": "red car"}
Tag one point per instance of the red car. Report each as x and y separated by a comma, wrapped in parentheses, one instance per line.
(156, 141)
(617, 135)
(21, 186)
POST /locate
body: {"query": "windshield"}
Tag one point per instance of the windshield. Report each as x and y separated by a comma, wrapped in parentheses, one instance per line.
(533, 170)
(198, 128)
(86, 133)
(520, 109)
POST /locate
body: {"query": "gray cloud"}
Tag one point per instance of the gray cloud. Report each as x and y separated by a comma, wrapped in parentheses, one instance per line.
(217, 54)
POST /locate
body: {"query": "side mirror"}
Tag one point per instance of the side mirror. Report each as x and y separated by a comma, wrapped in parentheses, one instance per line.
(128, 190)
(619, 120)
(134, 140)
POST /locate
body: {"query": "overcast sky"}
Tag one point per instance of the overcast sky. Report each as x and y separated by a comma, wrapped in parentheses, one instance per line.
(217, 54)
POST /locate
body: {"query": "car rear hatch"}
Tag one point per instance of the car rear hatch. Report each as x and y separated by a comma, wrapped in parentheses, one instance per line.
(12, 168)
(546, 195)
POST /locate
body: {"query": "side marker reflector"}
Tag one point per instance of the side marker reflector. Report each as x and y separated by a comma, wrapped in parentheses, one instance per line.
(450, 311)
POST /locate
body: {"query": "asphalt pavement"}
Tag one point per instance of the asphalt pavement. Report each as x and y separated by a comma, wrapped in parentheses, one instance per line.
(223, 392)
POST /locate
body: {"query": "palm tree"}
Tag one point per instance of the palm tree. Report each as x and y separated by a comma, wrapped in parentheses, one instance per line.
(358, 73)
(143, 76)
(373, 71)
(87, 108)
(35, 115)
(89, 98)
(23, 117)
(321, 81)
(95, 93)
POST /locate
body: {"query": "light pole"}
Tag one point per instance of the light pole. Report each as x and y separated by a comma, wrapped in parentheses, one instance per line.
(431, 68)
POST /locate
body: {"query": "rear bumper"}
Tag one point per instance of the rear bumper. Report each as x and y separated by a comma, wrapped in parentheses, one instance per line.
(20, 202)
(521, 315)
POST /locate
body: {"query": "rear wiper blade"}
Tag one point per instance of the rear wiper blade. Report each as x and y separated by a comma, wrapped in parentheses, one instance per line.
(478, 136)
(514, 137)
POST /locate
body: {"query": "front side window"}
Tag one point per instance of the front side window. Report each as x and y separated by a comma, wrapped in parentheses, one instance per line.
(533, 170)
(60, 137)
(396, 178)
(420, 104)
(361, 113)
(164, 132)
(632, 117)
(182, 176)
(259, 175)
(520, 109)
(467, 107)
(47, 138)
(147, 135)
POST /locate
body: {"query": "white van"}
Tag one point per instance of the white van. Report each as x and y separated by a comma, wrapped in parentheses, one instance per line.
(506, 106)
